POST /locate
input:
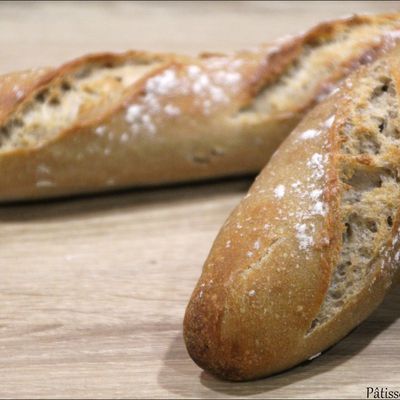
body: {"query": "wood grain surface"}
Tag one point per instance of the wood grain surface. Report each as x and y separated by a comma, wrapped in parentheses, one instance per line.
(93, 289)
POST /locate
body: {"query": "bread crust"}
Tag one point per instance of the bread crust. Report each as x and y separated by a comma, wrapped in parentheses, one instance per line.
(272, 264)
(197, 131)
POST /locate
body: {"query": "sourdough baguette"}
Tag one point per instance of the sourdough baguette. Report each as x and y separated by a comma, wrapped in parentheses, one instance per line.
(314, 246)
(115, 120)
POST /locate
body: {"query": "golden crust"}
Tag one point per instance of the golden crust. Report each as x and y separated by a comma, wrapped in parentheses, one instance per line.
(221, 117)
(270, 267)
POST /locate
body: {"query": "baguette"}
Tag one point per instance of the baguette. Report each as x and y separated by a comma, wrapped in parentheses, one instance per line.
(314, 246)
(110, 121)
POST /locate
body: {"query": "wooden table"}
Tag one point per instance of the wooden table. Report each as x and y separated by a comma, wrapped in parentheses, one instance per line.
(93, 290)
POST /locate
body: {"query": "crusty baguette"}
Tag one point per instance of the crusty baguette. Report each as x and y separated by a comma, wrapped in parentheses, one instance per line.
(314, 246)
(110, 121)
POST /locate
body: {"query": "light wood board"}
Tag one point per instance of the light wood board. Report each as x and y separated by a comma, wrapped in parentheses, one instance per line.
(93, 290)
